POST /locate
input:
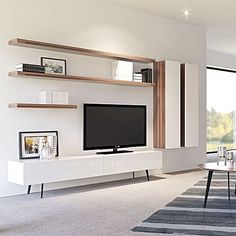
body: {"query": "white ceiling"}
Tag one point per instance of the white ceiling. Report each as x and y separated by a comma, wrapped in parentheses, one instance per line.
(217, 16)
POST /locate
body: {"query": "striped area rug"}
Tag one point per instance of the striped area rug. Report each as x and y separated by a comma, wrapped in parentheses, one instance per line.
(186, 216)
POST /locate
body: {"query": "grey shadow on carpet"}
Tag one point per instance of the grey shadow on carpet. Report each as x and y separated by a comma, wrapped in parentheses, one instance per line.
(86, 188)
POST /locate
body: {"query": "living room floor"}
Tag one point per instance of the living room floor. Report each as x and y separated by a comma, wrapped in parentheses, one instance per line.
(104, 209)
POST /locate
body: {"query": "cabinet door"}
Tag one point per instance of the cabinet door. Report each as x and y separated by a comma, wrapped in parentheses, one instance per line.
(172, 104)
(135, 161)
(62, 170)
(138, 161)
(167, 105)
(189, 105)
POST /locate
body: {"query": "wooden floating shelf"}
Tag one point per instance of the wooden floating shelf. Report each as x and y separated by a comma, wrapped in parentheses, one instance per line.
(78, 78)
(36, 105)
(76, 50)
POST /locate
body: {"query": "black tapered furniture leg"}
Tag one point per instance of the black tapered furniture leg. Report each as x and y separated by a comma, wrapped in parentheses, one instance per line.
(208, 186)
(42, 185)
(133, 175)
(228, 187)
(29, 188)
(147, 175)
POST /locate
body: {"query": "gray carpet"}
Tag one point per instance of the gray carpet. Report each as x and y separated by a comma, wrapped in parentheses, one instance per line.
(106, 209)
(94, 210)
(185, 215)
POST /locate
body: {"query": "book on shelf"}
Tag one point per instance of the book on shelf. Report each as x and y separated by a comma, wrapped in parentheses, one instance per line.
(137, 80)
(147, 75)
(30, 68)
(137, 77)
(137, 74)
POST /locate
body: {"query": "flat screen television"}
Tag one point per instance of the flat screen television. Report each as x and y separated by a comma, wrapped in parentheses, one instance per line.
(110, 126)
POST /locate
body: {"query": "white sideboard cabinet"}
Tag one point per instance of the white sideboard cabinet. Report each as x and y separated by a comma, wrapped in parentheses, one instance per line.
(35, 171)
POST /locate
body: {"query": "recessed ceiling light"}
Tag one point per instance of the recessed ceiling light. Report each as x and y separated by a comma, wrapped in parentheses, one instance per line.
(186, 13)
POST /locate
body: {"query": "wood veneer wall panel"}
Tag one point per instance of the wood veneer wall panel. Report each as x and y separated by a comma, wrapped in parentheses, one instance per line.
(37, 105)
(155, 138)
(162, 102)
(77, 78)
(182, 108)
(76, 50)
(159, 104)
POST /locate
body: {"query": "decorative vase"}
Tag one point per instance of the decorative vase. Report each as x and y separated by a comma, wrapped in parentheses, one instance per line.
(230, 158)
(47, 152)
(221, 153)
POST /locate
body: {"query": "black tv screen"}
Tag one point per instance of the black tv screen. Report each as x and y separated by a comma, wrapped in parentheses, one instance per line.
(113, 126)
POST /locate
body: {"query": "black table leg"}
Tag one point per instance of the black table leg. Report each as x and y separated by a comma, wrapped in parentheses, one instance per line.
(29, 188)
(228, 187)
(42, 190)
(147, 175)
(208, 186)
(133, 175)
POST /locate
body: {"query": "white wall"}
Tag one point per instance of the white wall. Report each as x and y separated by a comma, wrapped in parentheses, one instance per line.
(97, 25)
(221, 60)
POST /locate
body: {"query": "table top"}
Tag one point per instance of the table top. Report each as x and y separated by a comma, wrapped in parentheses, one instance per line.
(218, 167)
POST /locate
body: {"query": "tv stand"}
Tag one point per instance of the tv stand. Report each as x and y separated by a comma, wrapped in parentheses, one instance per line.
(115, 150)
(37, 172)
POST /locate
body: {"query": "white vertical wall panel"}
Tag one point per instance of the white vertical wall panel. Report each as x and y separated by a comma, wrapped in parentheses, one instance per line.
(191, 105)
(172, 104)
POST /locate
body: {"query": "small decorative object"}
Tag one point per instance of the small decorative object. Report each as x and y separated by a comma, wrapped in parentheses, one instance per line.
(221, 153)
(53, 97)
(54, 65)
(47, 152)
(32, 142)
(122, 70)
(45, 97)
(230, 158)
(59, 97)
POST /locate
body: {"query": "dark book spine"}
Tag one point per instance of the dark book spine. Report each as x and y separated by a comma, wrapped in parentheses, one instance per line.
(150, 75)
(31, 68)
(147, 75)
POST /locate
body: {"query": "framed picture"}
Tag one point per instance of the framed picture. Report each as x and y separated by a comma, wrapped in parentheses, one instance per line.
(31, 143)
(54, 65)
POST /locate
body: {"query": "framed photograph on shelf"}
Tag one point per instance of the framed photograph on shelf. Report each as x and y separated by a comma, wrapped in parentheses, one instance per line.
(54, 65)
(31, 143)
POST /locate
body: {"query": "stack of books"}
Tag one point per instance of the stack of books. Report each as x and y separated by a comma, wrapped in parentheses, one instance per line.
(30, 68)
(147, 75)
(137, 77)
